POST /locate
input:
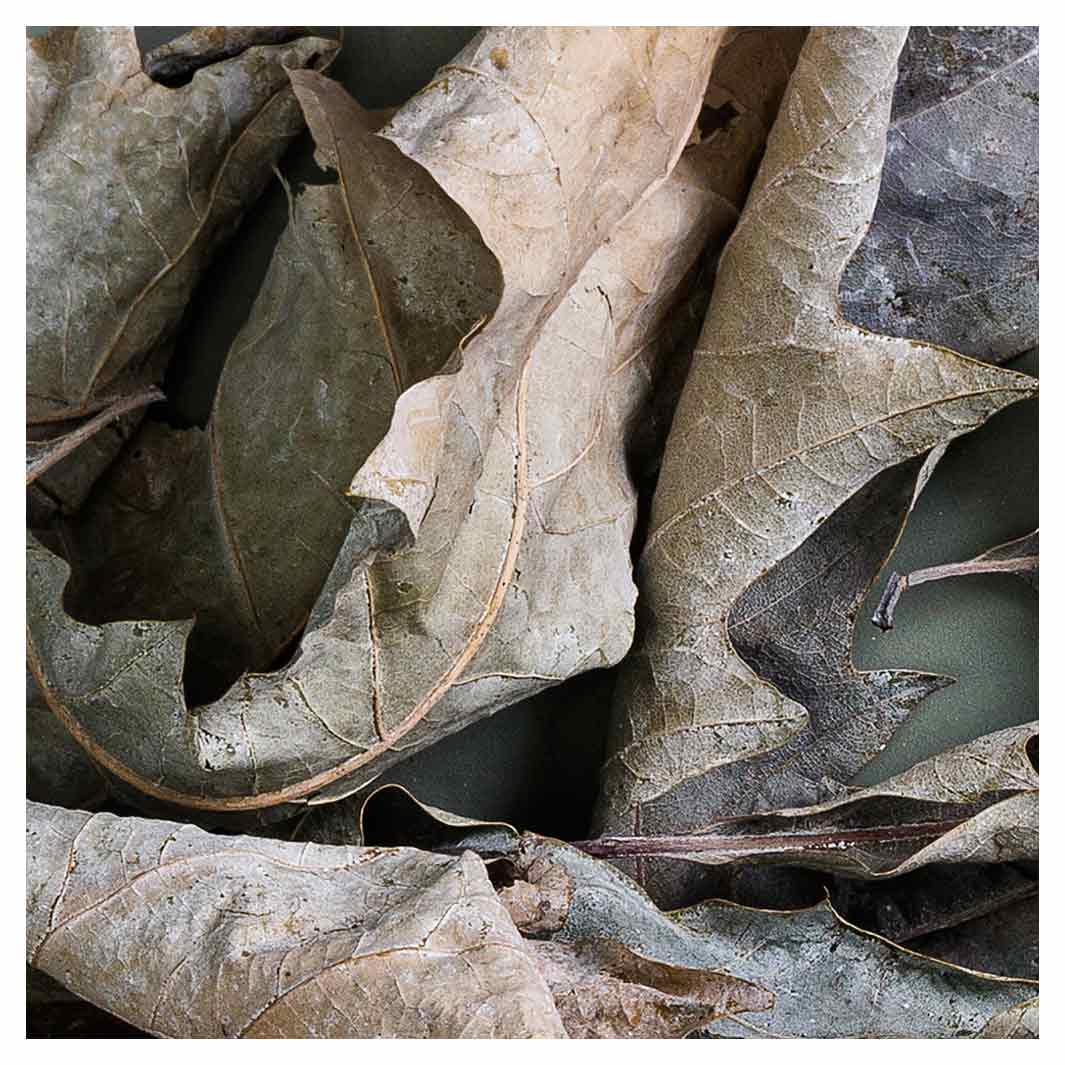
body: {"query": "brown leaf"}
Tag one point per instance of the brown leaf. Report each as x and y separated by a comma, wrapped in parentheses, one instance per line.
(130, 188)
(975, 803)
(509, 473)
(604, 991)
(189, 935)
(753, 467)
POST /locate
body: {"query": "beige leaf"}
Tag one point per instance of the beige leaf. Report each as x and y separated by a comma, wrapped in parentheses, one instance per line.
(190, 935)
(510, 472)
(788, 410)
(605, 991)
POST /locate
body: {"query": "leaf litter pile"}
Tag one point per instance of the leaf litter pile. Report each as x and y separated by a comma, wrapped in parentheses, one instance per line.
(623, 353)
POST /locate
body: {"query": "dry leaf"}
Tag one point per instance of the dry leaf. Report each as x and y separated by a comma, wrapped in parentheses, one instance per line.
(373, 283)
(978, 802)
(130, 188)
(952, 255)
(604, 991)
(826, 977)
(1018, 1022)
(794, 627)
(510, 472)
(189, 935)
(752, 465)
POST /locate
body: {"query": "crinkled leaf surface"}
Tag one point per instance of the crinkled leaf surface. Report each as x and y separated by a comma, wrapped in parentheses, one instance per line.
(372, 285)
(975, 803)
(794, 627)
(826, 977)
(952, 254)
(509, 473)
(130, 188)
(752, 466)
(190, 935)
(605, 991)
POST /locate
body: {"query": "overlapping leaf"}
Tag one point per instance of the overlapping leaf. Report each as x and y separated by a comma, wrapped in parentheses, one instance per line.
(975, 803)
(952, 254)
(787, 412)
(798, 958)
(510, 471)
(117, 161)
(372, 285)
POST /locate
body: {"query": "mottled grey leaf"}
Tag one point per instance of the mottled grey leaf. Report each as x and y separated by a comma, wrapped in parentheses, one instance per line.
(952, 255)
(826, 977)
(978, 802)
(190, 935)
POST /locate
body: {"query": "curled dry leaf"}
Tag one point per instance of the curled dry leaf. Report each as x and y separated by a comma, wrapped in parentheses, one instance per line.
(794, 627)
(560, 895)
(795, 958)
(373, 283)
(130, 188)
(975, 803)
(952, 254)
(178, 59)
(604, 991)
(752, 467)
(1019, 557)
(515, 572)
(190, 935)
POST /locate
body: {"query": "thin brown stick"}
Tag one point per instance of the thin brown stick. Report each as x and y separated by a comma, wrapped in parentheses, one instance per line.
(705, 843)
(67, 443)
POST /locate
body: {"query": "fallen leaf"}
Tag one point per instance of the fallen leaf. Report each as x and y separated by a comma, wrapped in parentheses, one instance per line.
(190, 935)
(1019, 557)
(799, 958)
(952, 254)
(604, 991)
(978, 802)
(752, 467)
(373, 283)
(794, 627)
(130, 188)
(508, 473)
(177, 60)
